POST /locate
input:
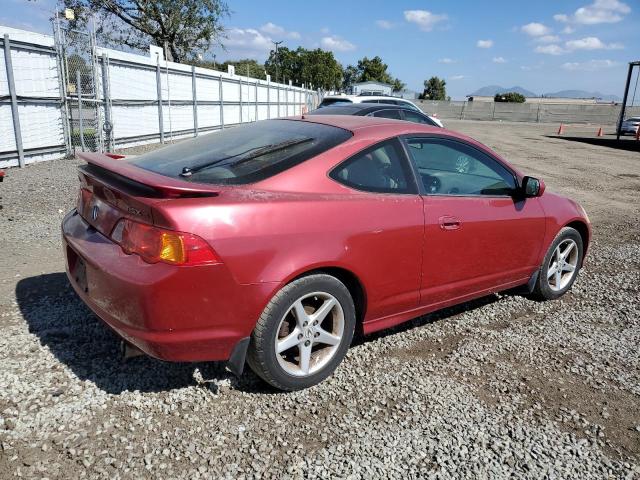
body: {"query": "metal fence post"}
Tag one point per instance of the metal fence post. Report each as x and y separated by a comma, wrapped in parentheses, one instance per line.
(240, 80)
(268, 96)
(159, 90)
(62, 85)
(106, 93)
(94, 88)
(14, 100)
(195, 101)
(80, 120)
(221, 106)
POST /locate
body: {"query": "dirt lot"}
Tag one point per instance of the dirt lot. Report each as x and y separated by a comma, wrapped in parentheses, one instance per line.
(501, 387)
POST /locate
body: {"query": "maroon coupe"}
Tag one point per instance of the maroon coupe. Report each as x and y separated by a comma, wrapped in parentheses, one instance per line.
(272, 242)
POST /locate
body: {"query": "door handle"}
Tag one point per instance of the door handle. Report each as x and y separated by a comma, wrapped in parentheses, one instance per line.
(447, 222)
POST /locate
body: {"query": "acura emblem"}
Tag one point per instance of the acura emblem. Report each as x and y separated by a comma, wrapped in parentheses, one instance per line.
(94, 212)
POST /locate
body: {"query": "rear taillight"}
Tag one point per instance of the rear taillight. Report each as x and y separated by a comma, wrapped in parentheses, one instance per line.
(155, 244)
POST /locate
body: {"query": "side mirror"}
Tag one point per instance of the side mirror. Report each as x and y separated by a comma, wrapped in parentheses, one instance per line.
(532, 187)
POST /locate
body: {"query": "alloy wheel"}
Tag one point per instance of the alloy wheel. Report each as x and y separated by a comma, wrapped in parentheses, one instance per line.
(309, 334)
(562, 265)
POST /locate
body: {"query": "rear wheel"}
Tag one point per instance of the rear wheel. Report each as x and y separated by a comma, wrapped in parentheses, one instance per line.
(303, 333)
(560, 266)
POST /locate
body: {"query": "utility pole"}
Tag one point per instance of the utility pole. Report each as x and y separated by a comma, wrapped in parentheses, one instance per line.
(277, 57)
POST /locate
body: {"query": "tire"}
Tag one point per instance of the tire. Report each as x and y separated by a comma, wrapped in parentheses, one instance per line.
(291, 352)
(551, 285)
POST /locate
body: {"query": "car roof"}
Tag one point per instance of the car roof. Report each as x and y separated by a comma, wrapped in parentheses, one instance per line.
(364, 98)
(357, 122)
(357, 108)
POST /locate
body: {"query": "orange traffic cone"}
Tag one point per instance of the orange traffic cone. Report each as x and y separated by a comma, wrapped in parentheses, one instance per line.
(599, 132)
(561, 129)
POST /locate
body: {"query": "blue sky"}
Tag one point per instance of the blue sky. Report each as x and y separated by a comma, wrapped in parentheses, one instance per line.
(543, 46)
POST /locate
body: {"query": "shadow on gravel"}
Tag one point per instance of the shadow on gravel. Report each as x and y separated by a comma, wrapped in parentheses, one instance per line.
(629, 144)
(430, 318)
(83, 343)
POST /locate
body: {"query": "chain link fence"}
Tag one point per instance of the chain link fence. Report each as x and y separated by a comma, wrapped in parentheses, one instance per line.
(81, 91)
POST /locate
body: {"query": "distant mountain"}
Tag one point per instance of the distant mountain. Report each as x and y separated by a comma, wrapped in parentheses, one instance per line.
(583, 94)
(491, 90)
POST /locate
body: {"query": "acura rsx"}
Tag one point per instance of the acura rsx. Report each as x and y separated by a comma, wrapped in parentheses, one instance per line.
(270, 243)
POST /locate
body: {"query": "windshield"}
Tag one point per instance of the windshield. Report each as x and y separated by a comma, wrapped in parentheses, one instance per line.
(243, 154)
(333, 101)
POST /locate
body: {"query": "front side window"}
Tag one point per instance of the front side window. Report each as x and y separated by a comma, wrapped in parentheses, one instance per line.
(381, 168)
(243, 154)
(449, 167)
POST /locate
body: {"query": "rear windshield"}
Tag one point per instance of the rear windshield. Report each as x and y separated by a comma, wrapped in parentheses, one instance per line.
(338, 109)
(243, 154)
(334, 101)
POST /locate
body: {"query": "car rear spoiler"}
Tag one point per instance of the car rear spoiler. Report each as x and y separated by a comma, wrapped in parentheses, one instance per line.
(166, 186)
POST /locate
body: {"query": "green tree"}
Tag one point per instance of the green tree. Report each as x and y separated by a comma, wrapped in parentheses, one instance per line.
(434, 89)
(398, 85)
(371, 69)
(350, 75)
(288, 64)
(312, 67)
(512, 97)
(182, 27)
(255, 69)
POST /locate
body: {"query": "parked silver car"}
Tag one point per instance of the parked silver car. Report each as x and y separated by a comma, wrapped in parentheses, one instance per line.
(630, 126)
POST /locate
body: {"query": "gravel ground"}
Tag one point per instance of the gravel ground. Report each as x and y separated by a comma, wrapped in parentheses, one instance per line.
(502, 387)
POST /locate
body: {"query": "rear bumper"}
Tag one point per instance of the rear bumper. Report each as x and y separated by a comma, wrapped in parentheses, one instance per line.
(172, 313)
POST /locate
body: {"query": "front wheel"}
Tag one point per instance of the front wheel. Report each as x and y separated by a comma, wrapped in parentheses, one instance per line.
(560, 265)
(303, 333)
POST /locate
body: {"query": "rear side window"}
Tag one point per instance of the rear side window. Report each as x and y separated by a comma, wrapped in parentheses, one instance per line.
(415, 117)
(408, 105)
(243, 154)
(381, 168)
(388, 113)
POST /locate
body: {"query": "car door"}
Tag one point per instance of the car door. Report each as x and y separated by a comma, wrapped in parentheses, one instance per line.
(387, 212)
(478, 236)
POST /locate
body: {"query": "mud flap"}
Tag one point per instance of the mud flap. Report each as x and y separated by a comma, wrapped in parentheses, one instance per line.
(236, 361)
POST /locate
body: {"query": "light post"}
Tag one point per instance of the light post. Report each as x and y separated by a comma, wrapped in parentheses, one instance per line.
(277, 57)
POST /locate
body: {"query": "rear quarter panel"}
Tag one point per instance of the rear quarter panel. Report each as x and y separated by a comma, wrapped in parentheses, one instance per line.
(301, 220)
